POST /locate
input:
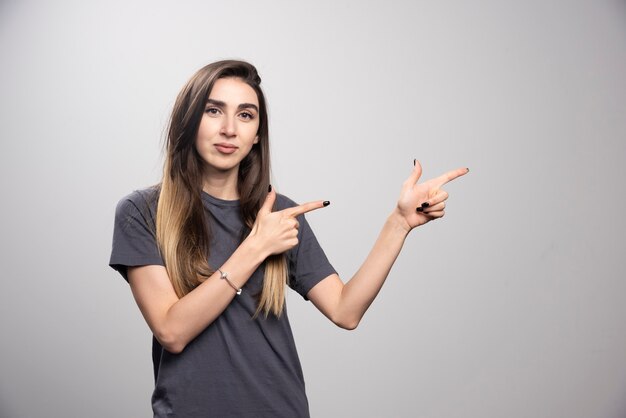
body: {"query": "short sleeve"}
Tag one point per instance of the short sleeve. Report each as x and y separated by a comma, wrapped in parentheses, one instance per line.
(134, 234)
(308, 264)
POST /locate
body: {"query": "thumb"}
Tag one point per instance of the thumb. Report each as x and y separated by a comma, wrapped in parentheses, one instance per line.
(415, 175)
(269, 201)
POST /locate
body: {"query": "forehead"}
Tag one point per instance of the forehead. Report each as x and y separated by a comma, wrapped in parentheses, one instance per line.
(233, 91)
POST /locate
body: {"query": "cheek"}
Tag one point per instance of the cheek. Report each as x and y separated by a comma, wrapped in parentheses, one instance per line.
(198, 143)
(207, 128)
(203, 139)
(254, 133)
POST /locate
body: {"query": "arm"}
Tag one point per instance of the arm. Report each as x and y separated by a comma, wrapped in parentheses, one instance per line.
(175, 322)
(418, 204)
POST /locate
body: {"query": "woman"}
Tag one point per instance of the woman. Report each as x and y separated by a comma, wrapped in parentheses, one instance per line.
(208, 252)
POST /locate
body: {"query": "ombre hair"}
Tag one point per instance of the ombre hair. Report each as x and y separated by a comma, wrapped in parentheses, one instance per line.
(182, 230)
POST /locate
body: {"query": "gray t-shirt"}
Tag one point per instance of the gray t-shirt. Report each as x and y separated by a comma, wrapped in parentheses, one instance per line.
(237, 366)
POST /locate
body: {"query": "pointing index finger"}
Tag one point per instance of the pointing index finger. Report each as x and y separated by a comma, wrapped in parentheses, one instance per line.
(451, 175)
(306, 207)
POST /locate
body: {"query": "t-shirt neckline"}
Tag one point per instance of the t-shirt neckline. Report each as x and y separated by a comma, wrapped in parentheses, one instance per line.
(219, 202)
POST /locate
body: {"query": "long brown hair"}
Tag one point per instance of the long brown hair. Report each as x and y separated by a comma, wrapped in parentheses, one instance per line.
(182, 232)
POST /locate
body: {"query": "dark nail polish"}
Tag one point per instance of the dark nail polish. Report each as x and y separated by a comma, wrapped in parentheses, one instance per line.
(326, 203)
(467, 169)
(415, 159)
(270, 189)
(420, 209)
(425, 204)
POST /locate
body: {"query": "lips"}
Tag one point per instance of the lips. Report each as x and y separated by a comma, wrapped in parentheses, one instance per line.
(225, 148)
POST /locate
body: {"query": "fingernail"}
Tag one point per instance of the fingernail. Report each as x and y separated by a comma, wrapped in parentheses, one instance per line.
(270, 189)
(425, 204)
(467, 169)
(420, 209)
(415, 159)
(326, 203)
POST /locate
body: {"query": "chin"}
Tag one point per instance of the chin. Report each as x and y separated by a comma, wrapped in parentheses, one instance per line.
(222, 168)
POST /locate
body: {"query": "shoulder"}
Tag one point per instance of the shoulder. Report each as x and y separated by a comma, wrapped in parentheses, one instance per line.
(143, 201)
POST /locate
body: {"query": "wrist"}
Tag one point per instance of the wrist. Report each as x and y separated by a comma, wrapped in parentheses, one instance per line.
(254, 249)
(399, 222)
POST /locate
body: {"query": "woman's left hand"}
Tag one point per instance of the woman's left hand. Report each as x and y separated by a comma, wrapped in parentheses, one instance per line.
(422, 202)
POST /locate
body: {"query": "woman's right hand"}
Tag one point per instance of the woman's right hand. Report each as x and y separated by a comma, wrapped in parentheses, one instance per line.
(277, 232)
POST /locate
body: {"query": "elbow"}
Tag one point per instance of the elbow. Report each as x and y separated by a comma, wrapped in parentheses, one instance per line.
(347, 324)
(170, 342)
(174, 348)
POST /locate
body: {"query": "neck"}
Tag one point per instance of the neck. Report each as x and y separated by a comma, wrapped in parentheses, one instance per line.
(221, 184)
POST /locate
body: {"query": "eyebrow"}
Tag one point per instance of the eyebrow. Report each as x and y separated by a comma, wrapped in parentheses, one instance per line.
(220, 103)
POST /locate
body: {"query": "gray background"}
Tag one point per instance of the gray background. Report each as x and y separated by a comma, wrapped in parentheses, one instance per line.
(512, 305)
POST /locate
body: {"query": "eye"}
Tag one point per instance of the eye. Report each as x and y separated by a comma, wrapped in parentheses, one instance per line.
(211, 110)
(246, 115)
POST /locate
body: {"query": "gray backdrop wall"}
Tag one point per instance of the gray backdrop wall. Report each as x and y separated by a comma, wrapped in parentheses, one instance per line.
(512, 305)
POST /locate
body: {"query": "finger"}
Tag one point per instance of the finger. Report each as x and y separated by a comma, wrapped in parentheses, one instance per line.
(450, 175)
(441, 196)
(435, 215)
(293, 222)
(415, 175)
(269, 201)
(435, 208)
(306, 207)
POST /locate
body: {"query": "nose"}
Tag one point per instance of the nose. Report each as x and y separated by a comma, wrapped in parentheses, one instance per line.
(228, 126)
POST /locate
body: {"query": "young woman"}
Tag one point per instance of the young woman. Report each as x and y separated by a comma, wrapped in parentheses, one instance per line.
(208, 253)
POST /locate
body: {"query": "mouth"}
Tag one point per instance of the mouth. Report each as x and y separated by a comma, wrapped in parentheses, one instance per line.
(226, 148)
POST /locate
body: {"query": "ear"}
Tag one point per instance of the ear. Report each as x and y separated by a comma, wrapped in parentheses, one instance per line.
(256, 139)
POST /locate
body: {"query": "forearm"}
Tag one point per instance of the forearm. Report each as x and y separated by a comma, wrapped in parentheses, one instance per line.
(191, 314)
(359, 292)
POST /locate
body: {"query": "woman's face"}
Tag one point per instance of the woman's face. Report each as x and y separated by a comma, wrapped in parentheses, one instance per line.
(229, 125)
